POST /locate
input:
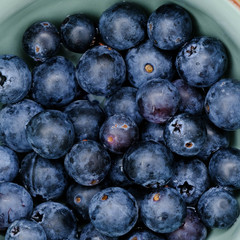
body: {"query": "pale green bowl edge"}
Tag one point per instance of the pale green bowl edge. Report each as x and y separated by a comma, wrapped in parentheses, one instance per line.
(214, 18)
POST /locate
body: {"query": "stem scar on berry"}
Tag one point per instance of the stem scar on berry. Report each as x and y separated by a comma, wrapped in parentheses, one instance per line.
(149, 68)
(104, 197)
(156, 197)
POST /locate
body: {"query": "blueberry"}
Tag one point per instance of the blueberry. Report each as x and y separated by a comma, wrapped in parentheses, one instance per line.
(87, 119)
(190, 179)
(148, 164)
(192, 229)
(15, 79)
(101, 71)
(158, 100)
(43, 177)
(13, 121)
(218, 209)
(145, 62)
(118, 132)
(54, 83)
(123, 102)
(122, 26)
(41, 41)
(163, 211)
(143, 235)
(15, 203)
(169, 27)
(113, 211)
(56, 219)
(25, 229)
(50, 134)
(185, 134)
(202, 61)
(192, 99)
(9, 164)
(221, 104)
(77, 32)
(87, 163)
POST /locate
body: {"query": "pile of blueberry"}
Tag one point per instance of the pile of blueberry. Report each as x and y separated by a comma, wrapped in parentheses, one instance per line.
(151, 161)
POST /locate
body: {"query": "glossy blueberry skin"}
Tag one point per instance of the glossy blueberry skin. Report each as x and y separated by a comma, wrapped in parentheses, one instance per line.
(77, 32)
(157, 100)
(192, 99)
(192, 229)
(190, 179)
(151, 132)
(163, 211)
(87, 163)
(86, 117)
(123, 102)
(224, 167)
(169, 27)
(217, 208)
(25, 229)
(41, 41)
(113, 211)
(13, 121)
(222, 104)
(185, 134)
(43, 177)
(54, 83)
(9, 164)
(146, 62)
(56, 219)
(101, 71)
(15, 79)
(149, 164)
(51, 134)
(15, 203)
(216, 139)
(143, 235)
(202, 61)
(118, 133)
(123, 25)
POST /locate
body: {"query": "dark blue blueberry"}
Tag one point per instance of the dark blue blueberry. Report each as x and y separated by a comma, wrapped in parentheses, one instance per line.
(202, 61)
(43, 177)
(123, 102)
(87, 119)
(217, 208)
(118, 133)
(192, 99)
(169, 27)
(224, 167)
(158, 100)
(13, 121)
(50, 134)
(222, 104)
(143, 235)
(25, 229)
(15, 79)
(148, 164)
(15, 203)
(54, 83)
(192, 229)
(9, 164)
(79, 198)
(123, 25)
(56, 219)
(87, 163)
(146, 62)
(185, 134)
(216, 139)
(101, 71)
(151, 132)
(113, 211)
(41, 41)
(190, 179)
(163, 211)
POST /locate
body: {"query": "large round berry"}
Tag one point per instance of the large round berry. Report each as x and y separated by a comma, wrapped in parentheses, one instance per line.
(122, 26)
(101, 71)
